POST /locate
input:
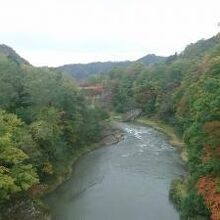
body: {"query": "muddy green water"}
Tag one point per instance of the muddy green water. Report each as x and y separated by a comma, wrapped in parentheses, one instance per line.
(126, 181)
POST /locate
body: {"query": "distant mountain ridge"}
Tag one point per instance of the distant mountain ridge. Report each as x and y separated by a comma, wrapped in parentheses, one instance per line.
(151, 59)
(82, 71)
(11, 53)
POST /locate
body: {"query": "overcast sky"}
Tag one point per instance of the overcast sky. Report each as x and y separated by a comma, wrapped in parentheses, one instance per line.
(56, 32)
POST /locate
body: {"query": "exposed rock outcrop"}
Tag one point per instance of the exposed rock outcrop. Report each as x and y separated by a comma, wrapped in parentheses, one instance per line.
(111, 135)
(131, 115)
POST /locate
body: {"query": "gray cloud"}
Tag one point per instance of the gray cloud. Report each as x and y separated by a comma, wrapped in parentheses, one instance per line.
(54, 32)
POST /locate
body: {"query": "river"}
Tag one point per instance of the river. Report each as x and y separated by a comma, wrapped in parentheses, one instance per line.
(126, 181)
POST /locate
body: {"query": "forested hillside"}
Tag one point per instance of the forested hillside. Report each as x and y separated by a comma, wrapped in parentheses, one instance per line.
(11, 54)
(44, 122)
(183, 91)
(82, 71)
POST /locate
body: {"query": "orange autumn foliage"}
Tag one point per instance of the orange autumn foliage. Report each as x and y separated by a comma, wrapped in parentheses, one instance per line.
(207, 188)
(212, 128)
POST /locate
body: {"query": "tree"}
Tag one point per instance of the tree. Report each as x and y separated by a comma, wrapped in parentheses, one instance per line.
(16, 174)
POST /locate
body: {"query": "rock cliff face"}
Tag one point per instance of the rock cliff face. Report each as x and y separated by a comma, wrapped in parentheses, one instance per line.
(131, 115)
(111, 135)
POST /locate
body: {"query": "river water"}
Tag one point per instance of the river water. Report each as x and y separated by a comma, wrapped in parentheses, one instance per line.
(126, 181)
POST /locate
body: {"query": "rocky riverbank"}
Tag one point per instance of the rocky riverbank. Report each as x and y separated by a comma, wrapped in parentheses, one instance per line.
(111, 135)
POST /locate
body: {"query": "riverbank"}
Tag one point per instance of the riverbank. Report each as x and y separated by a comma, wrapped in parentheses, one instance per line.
(109, 181)
(110, 134)
(32, 206)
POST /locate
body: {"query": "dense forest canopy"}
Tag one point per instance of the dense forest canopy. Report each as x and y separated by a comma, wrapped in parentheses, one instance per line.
(44, 119)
